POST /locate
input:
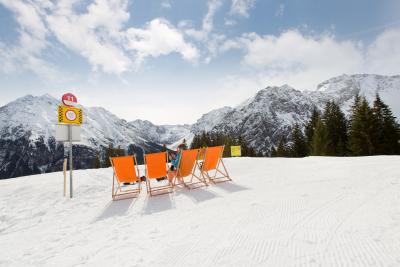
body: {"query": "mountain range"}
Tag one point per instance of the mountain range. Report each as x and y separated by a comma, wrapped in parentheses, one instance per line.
(27, 124)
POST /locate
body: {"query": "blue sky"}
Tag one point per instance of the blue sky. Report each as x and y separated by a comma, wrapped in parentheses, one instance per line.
(170, 61)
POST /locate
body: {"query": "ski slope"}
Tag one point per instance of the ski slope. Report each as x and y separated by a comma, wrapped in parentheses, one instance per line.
(316, 211)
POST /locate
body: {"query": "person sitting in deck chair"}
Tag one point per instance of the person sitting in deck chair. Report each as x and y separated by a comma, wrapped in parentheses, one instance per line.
(175, 158)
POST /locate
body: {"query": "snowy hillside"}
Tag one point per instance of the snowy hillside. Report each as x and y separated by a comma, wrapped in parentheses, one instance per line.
(276, 212)
(161, 134)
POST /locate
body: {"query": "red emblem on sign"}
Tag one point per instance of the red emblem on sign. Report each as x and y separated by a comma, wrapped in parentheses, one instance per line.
(69, 100)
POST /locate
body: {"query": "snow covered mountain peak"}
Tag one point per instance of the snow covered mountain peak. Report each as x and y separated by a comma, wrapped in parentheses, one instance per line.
(366, 84)
(37, 114)
(276, 99)
(343, 88)
(262, 119)
(210, 119)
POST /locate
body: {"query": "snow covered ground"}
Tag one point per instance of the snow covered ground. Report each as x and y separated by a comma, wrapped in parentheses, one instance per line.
(278, 212)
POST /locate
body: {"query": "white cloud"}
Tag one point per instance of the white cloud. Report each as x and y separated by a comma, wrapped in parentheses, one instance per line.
(230, 22)
(185, 24)
(97, 32)
(383, 55)
(166, 4)
(6, 59)
(304, 61)
(31, 42)
(206, 36)
(27, 17)
(241, 7)
(213, 6)
(159, 38)
(292, 50)
(281, 9)
(92, 34)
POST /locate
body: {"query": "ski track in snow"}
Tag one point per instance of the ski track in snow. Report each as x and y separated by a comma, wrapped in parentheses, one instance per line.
(277, 212)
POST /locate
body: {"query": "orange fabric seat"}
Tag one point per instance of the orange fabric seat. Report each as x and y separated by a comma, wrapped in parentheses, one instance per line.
(213, 161)
(186, 167)
(156, 168)
(125, 171)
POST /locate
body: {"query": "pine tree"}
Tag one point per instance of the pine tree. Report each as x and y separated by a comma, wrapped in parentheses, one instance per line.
(310, 127)
(362, 135)
(386, 128)
(282, 150)
(336, 126)
(320, 141)
(299, 146)
(354, 107)
(273, 152)
(195, 142)
(96, 163)
(185, 146)
(391, 132)
(206, 139)
(164, 148)
(109, 152)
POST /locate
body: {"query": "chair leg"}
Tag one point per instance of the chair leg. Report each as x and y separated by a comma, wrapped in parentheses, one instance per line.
(216, 179)
(226, 171)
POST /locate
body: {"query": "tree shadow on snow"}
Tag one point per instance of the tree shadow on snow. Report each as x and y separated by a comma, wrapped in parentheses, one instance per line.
(158, 203)
(116, 208)
(231, 187)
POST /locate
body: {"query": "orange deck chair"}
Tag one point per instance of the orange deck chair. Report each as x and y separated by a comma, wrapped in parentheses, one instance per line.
(213, 161)
(187, 167)
(156, 167)
(125, 171)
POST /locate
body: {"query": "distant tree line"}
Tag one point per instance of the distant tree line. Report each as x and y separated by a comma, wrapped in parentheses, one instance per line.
(368, 131)
(102, 160)
(206, 139)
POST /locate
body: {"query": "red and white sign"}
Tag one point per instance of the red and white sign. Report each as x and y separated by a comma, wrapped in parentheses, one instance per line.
(69, 100)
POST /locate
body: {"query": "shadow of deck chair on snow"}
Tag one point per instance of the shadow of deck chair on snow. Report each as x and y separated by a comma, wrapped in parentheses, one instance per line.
(125, 171)
(156, 168)
(186, 168)
(213, 161)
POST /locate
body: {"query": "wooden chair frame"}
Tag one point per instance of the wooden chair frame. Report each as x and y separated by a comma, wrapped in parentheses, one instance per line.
(158, 190)
(190, 184)
(213, 178)
(118, 190)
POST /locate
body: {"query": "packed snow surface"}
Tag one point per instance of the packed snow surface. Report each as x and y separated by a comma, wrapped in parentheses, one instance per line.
(316, 211)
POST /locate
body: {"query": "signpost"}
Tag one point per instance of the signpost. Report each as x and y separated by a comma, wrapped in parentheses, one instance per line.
(69, 100)
(68, 130)
(62, 133)
(236, 151)
(70, 115)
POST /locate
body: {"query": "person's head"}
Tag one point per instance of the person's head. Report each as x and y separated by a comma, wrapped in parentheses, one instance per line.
(180, 147)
